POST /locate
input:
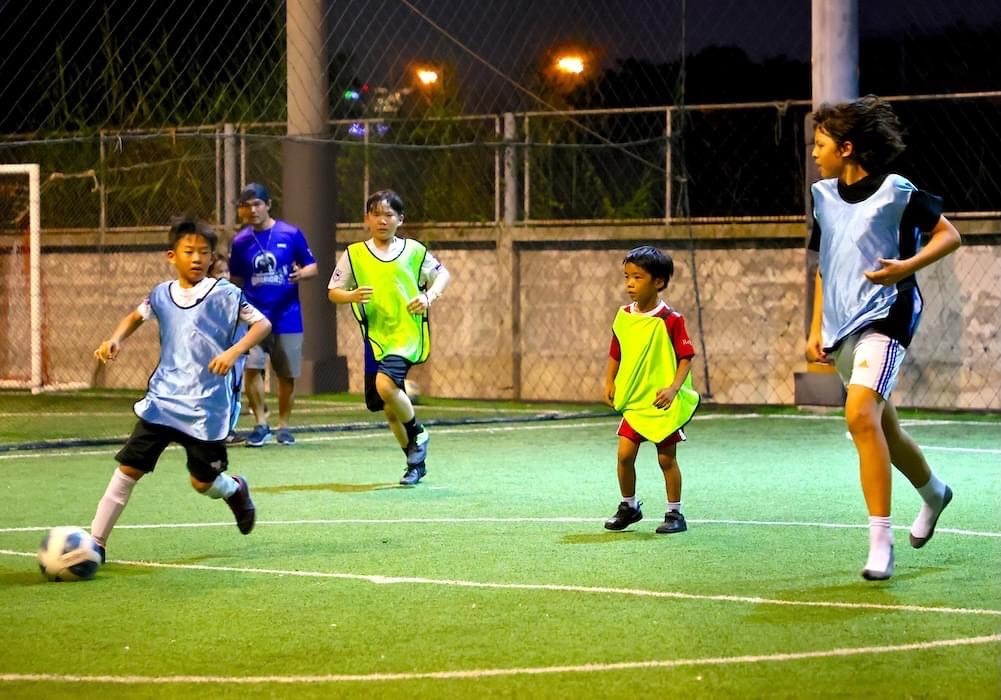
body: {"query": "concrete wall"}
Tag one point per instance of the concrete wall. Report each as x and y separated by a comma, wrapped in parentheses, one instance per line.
(529, 311)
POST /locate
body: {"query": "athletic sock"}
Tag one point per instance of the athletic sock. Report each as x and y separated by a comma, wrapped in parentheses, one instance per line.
(111, 505)
(411, 427)
(880, 544)
(224, 486)
(933, 494)
(629, 501)
(674, 505)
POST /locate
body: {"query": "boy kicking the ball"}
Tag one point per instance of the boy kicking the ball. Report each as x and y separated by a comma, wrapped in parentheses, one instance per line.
(390, 283)
(649, 383)
(189, 399)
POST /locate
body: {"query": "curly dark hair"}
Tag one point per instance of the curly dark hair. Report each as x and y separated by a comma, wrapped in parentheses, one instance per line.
(871, 126)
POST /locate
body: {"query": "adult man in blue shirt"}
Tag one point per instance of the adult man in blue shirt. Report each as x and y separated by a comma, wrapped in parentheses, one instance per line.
(268, 259)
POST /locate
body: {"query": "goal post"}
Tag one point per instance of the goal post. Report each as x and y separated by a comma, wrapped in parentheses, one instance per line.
(29, 207)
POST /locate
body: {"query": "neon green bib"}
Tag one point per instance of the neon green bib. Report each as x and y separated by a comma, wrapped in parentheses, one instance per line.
(385, 322)
(649, 364)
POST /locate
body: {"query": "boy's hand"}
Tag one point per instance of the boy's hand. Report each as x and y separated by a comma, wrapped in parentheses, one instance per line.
(419, 304)
(815, 350)
(293, 276)
(609, 395)
(665, 397)
(890, 272)
(361, 295)
(108, 350)
(223, 362)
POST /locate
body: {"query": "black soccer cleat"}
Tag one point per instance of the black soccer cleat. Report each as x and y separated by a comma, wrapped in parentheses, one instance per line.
(413, 474)
(674, 522)
(242, 506)
(625, 516)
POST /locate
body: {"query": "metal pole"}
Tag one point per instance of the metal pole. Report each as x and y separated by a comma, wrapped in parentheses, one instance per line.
(510, 170)
(229, 183)
(497, 173)
(667, 165)
(526, 174)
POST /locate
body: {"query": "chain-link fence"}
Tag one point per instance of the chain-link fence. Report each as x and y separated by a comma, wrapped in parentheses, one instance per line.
(530, 175)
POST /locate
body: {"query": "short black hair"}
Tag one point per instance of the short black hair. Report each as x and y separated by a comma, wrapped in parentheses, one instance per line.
(871, 125)
(190, 226)
(390, 197)
(659, 264)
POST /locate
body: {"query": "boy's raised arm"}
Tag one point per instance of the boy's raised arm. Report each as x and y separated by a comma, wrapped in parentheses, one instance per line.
(109, 349)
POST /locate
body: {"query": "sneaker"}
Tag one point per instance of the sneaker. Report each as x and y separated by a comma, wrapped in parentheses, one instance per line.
(284, 436)
(919, 542)
(417, 451)
(235, 439)
(872, 573)
(625, 516)
(242, 506)
(101, 551)
(413, 474)
(260, 435)
(673, 522)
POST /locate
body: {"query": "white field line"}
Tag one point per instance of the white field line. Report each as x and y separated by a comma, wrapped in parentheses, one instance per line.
(380, 579)
(451, 430)
(573, 519)
(495, 672)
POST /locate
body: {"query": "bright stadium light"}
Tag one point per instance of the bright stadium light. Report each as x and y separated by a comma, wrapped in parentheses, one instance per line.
(571, 63)
(427, 76)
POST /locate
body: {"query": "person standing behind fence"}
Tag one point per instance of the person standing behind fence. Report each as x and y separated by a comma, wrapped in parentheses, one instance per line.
(648, 381)
(190, 394)
(269, 258)
(390, 283)
(867, 229)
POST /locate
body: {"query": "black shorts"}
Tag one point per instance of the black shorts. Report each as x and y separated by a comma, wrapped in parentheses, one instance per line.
(206, 459)
(394, 367)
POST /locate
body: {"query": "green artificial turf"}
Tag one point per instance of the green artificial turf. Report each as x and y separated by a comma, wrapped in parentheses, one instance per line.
(495, 578)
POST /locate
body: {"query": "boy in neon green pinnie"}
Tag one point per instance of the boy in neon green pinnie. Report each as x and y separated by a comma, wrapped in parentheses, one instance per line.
(649, 383)
(390, 282)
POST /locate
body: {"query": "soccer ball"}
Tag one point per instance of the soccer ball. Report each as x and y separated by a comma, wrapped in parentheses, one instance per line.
(413, 390)
(68, 554)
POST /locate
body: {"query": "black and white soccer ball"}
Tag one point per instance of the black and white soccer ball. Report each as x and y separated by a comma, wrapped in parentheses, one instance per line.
(68, 554)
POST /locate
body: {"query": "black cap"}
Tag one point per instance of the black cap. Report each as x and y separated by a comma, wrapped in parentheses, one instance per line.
(254, 190)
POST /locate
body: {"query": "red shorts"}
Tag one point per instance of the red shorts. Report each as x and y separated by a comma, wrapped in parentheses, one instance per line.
(625, 430)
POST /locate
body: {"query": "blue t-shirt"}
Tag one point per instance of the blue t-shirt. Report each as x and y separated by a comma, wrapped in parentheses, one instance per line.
(264, 260)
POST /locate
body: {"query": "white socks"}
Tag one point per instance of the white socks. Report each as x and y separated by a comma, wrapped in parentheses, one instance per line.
(672, 505)
(111, 505)
(933, 494)
(879, 565)
(630, 501)
(224, 486)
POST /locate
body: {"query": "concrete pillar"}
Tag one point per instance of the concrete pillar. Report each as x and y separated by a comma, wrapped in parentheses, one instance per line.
(308, 194)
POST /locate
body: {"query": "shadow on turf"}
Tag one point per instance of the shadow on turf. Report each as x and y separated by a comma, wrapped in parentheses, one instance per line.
(335, 487)
(607, 537)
